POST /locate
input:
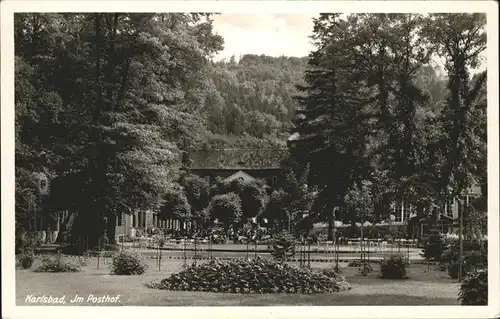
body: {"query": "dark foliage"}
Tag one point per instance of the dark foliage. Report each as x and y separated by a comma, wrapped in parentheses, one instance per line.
(27, 241)
(475, 257)
(27, 259)
(394, 267)
(283, 246)
(434, 248)
(127, 263)
(258, 275)
(474, 289)
(60, 263)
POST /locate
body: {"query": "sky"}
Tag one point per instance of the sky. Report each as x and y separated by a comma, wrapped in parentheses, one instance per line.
(264, 33)
(271, 34)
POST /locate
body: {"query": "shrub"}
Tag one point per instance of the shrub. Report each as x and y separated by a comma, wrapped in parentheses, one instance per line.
(27, 241)
(27, 259)
(282, 246)
(453, 269)
(472, 260)
(394, 267)
(59, 263)
(434, 248)
(452, 250)
(474, 288)
(334, 273)
(127, 263)
(365, 268)
(355, 263)
(259, 275)
(475, 257)
(226, 208)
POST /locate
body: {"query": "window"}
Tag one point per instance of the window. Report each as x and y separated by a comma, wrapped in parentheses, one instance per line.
(119, 219)
(207, 179)
(406, 211)
(470, 199)
(274, 180)
(401, 211)
(134, 219)
(398, 211)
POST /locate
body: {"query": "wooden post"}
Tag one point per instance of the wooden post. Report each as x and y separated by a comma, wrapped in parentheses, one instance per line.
(255, 249)
(158, 255)
(362, 247)
(289, 221)
(335, 241)
(248, 243)
(195, 255)
(79, 245)
(210, 246)
(159, 260)
(309, 254)
(98, 251)
(408, 251)
(368, 252)
(185, 256)
(337, 252)
(461, 241)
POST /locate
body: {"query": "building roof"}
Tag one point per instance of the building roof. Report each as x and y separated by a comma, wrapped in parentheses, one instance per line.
(240, 175)
(238, 158)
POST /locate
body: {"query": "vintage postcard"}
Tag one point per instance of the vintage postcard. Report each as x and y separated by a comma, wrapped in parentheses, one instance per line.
(250, 159)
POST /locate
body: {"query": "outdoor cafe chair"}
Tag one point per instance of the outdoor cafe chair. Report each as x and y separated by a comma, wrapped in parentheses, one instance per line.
(204, 244)
(375, 245)
(318, 244)
(383, 246)
(349, 245)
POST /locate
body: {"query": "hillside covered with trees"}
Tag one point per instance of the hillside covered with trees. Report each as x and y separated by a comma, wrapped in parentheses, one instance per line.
(252, 102)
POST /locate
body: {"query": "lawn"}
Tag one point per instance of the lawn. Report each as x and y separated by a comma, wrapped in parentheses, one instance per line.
(423, 288)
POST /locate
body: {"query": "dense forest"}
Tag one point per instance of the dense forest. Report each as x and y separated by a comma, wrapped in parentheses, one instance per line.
(384, 107)
(253, 101)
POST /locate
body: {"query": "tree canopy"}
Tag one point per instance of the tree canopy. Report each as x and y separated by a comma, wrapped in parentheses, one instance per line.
(108, 107)
(370, 114)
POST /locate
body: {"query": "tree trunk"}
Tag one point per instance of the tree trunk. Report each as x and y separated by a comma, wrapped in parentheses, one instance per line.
(111, 229)
(87, 225)
(63, 228)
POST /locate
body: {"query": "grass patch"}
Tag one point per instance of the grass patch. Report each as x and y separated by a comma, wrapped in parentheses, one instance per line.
(423, 288)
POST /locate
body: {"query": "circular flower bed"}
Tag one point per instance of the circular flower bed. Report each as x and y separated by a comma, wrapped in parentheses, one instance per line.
(258, 275)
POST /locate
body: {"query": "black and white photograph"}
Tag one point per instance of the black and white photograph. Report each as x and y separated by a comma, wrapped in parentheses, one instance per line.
(237, 154)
